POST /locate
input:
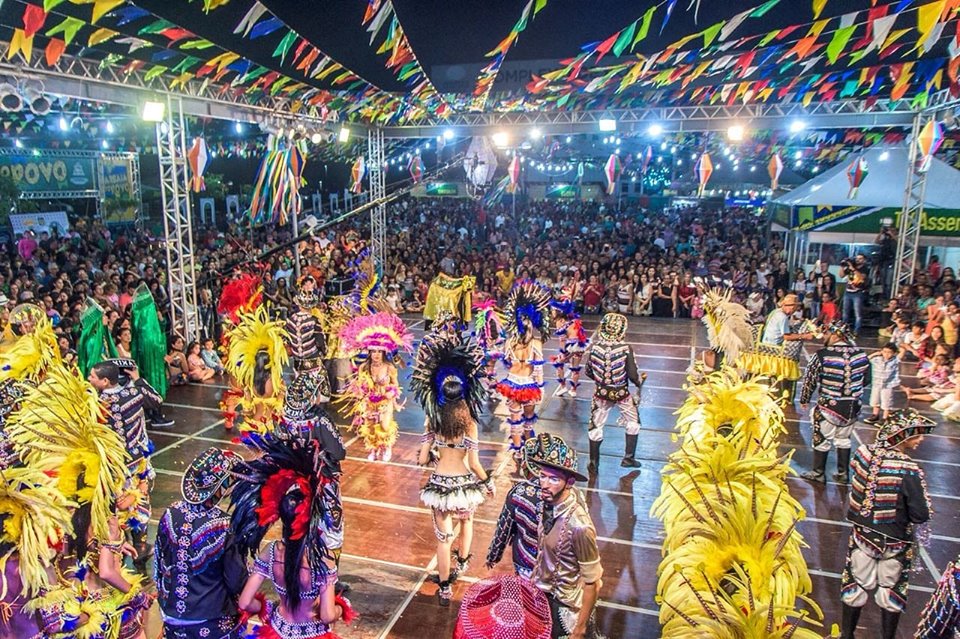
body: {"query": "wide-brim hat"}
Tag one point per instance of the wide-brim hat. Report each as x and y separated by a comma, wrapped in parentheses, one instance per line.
(790, 298)
(903, 425)
(533, 449)
(556, 454)
(504, 607)
(206, 474)
(841, 330)
(613, 327)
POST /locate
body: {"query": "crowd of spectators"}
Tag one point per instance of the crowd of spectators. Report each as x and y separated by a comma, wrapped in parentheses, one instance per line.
(632, 261)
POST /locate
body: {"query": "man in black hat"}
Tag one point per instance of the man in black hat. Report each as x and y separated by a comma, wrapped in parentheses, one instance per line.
(839, 370)
(198, 570)
(568, 566)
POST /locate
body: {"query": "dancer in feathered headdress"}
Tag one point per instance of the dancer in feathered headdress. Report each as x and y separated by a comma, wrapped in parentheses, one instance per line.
(373, 391)
(285, 482)
(32, 354)
(448, 382)
(573, 343)
(728, 327)
(255, 359)
(34, 517)
(59, 430)
(527, 326)
(489, 333)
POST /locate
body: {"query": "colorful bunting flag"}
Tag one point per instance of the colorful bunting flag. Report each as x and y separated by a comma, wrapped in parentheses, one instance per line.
(33, 19)
(276, 193)
(20, 43)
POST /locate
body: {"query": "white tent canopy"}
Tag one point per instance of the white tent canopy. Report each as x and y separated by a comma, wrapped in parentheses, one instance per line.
(883, 187)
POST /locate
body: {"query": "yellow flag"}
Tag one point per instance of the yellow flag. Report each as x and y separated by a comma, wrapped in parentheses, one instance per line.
(100, 7)
(927, 17)
(101, 35)
(20, 43)
(818, 6)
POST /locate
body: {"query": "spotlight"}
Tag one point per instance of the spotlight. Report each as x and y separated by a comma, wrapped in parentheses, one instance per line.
(816, 168)
(797, 126)
(238, 127)
(316, 138)
(426, 145)
(103, 144)
(17, 143)
(109, 127)
(884, 156)
(153, 111)
(663, 146)
(679, 162)
(10, 99)
(798, 155)
(797, 164)
(344, 134)
(38, 103)
(536, 133)
(607, 124)
(736, 133)
(62, 123)
(501, 139)
(569, 139)
(448, 134)
(655, 130)
(752, 169)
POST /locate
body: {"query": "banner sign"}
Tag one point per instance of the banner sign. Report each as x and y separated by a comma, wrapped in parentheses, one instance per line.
(865, 219)
(561, 191)
(439, 189)
(37, 172)
(40, 222)
(117, 186)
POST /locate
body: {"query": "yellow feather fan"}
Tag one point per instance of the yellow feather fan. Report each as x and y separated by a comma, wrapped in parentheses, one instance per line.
(732, 565)
(58, 429)
(34, 516)
(728, 323)
(253, 333)
(32, 353)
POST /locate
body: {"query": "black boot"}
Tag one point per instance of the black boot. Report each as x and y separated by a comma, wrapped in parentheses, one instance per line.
(818, 472)
(888, 624)
(630, 452)
(848, 621)
(594, 464)
(842, 476)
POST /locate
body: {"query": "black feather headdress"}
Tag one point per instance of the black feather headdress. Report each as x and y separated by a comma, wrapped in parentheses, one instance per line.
(281, 465)
(527, 300)
(440, 359)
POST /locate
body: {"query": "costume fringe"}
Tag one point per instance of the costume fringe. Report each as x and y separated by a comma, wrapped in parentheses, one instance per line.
(32, 353)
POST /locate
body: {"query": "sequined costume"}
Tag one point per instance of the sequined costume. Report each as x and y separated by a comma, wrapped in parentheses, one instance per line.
(940, 618)
(304, 334)
(889, 505)
(611, 364)
(489, 333)
(840, 372)
(517, 527)
(573, 342)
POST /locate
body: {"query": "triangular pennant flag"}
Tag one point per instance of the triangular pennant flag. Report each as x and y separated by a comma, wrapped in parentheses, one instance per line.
(265, 28)
(101, 7)
(763, 9)
(644, 27)
(101, 35)
(732, 25)
(250, 19)
(666, 18)
(818, 6)
(20, 43)
(68, 28)
(928, 15)
(54, 51)
(840, 39)
(710, 33)
(50, 4)
(33, 19)
(626, 37)
(284, 45)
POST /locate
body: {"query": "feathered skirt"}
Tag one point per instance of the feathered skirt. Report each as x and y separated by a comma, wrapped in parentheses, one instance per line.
(459, 494)
(520, 389)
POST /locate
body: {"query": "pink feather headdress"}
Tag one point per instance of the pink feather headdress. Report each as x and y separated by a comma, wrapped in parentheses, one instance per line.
(380, 332)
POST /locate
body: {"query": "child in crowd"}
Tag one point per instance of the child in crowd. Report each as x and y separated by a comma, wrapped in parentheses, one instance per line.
(210, 356)
(913, 342)
(828, 310)
(941, 393)
(885, 377)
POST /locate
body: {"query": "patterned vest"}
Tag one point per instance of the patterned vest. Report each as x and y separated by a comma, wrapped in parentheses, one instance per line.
(608, 365)
(876, 487)
(843, 372)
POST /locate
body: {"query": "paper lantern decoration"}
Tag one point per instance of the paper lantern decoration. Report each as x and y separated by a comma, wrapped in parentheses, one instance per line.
(645, 159)
(513, 172)
(774, 169)
(703, 170)
(416, 168)
(928, 142)
(276, 192)
(856, 174)
(357, 172)
(197, 159)
(612, 170)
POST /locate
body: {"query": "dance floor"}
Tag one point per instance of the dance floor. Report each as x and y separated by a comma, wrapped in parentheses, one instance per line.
(390, 548)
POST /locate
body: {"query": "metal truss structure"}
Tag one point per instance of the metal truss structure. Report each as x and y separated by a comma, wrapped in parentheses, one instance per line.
(175, 195)
(376, 167)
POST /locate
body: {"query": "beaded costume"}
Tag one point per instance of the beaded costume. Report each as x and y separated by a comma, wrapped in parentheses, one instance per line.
(304, 333)
(940, 618)
(573, 343)
(889, 506)
(488, 331)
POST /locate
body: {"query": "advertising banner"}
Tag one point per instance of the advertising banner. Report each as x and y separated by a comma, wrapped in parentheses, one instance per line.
(117, 190)
(561, 191)
(36, 172)
(40, 222)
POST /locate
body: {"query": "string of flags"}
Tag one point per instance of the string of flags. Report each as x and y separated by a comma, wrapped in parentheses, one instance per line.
(276, 191)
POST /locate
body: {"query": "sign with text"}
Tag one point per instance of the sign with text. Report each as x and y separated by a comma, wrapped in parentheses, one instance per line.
(40, 222)
(117, 190)
(561, 191)
(438, 189)
(37, 172)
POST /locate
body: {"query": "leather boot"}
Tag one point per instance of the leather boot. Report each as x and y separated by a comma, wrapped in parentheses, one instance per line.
(842, 476)
(630, 451)
(818, 472)
(888, 624)
(848, 621)
(594, 464)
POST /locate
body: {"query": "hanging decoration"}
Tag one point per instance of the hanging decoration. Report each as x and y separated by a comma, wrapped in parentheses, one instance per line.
(197, 158)
(856, 174)
(703, 169)
(357, 173)
(928, 142)
(774, 169)
(513, 172)
(612, 170)
(645, 159)
(276, 193)
(415, 167)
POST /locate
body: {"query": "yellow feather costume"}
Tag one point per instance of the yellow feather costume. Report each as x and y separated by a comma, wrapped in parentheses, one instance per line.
(34, 516)
(32, 353)
(732, 565)
(728, 323)
(256, 332)
(58, 430)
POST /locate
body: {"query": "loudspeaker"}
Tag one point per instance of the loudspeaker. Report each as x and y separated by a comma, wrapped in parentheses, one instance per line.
(338, 286)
